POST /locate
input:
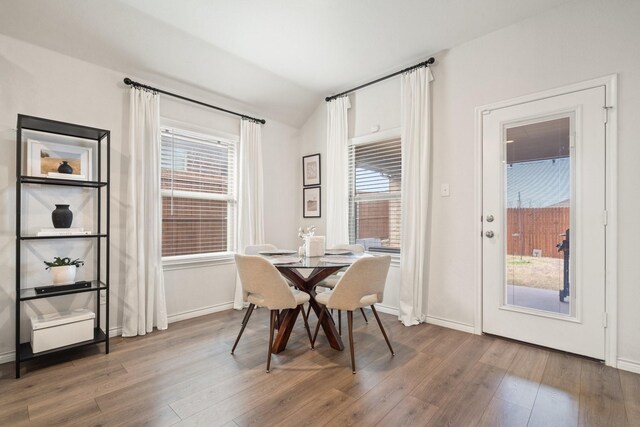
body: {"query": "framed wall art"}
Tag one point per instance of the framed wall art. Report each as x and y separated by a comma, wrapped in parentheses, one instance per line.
(311, 170)
(311, 202)
(49, 160)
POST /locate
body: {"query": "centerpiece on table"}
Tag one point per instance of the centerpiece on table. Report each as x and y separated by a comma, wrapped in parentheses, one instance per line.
(305, 234)
(312, 246)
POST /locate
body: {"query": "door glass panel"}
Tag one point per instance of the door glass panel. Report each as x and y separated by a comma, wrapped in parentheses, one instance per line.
(538, 215)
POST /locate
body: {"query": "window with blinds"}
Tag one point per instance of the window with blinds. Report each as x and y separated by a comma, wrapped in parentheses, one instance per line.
(374, 195)
(198, 193)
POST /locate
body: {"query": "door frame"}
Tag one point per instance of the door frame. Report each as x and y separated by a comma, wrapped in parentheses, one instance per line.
(609, 114)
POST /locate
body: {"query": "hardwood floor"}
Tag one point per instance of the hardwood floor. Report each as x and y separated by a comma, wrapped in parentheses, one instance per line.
(185, 376)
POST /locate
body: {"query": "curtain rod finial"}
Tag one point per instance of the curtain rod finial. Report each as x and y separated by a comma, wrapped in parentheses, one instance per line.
(431, 60)
(127, 81)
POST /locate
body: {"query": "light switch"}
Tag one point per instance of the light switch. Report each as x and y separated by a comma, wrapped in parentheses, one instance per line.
(444, 190)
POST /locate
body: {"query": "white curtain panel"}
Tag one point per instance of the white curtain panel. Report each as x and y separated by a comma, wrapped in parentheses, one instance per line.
(338, 176)
(144, 297)
(416, 161)
(250, 194)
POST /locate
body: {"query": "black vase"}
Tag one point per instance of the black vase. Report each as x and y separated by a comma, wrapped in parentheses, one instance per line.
(65, 167)
(61, 216)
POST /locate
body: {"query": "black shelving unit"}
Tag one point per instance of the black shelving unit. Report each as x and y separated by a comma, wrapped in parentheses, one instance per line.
(101, 138)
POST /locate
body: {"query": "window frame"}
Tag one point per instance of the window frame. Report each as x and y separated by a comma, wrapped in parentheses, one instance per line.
(382, 136)
(174, 262)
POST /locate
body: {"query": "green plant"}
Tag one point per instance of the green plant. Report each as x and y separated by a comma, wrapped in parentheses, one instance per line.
(61, 262)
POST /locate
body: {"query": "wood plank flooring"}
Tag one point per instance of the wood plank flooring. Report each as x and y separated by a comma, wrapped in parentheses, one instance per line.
(185, 376)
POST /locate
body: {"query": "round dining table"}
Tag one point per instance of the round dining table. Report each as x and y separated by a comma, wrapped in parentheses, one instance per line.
(321, 267)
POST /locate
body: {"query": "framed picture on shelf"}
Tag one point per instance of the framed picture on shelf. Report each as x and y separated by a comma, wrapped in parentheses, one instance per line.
(311, 202)
(61, 161)
(311, 170)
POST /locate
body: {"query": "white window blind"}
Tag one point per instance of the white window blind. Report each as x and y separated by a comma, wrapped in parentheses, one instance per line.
(198, 193)
(374, 195)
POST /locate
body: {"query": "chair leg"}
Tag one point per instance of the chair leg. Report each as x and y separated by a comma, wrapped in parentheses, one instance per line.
(244, 324)
(315, 335)
(246, 315)
(375, 313)
(364, 315)
(306, 325)
(350, 321)
(340, 322)
(272, 326)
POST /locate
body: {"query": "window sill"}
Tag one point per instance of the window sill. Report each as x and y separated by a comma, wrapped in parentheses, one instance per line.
(197, 261)
(395, 255)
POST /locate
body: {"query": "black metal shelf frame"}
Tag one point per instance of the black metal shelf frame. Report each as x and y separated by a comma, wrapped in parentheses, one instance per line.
(26, 353)
(26, 179)
(27, 294)
(71, 236)
(102, 138)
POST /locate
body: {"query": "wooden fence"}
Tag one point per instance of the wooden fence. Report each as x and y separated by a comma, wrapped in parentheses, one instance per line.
(536, 228)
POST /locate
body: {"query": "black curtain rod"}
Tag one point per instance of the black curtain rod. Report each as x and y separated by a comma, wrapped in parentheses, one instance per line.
(130, 82)
(422, 64)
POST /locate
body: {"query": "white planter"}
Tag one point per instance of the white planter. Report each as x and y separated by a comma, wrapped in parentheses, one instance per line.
(64, 274)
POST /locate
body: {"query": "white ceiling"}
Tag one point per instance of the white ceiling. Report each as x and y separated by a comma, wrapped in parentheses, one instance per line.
(277, 58)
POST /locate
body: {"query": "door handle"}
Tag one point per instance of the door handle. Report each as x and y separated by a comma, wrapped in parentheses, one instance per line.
(489, 234)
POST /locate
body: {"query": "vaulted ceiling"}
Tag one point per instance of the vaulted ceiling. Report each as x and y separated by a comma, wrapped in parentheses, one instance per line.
(278, 58)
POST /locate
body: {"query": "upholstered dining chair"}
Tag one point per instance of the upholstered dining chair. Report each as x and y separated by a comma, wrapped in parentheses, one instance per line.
(265, 287)
(330, 282)
(255, 250)
(361, 285)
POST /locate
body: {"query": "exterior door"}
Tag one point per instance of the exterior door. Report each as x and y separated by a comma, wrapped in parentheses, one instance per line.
(544, 222)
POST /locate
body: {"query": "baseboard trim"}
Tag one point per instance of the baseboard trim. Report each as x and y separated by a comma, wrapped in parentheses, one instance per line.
(629, 365)
(200, 312)
(7, 357)
(387, 309)
(185, 315)
(438, 321)
(446, 323)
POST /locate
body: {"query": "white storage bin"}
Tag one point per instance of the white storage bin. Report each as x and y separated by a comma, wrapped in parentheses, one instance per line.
(60, 329)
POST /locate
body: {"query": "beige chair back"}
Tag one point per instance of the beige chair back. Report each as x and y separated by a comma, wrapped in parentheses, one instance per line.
(356, 249)
(262, 281)
(362, 284)
(256, 249)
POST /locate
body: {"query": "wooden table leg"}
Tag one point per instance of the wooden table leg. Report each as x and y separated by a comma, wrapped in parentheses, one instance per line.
(287, 321)
(307, 284)
(328, 326)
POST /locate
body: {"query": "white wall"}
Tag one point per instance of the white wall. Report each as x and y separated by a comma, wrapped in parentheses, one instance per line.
(313, 136)
(281, 185)
(43, 83)
(576, 42)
